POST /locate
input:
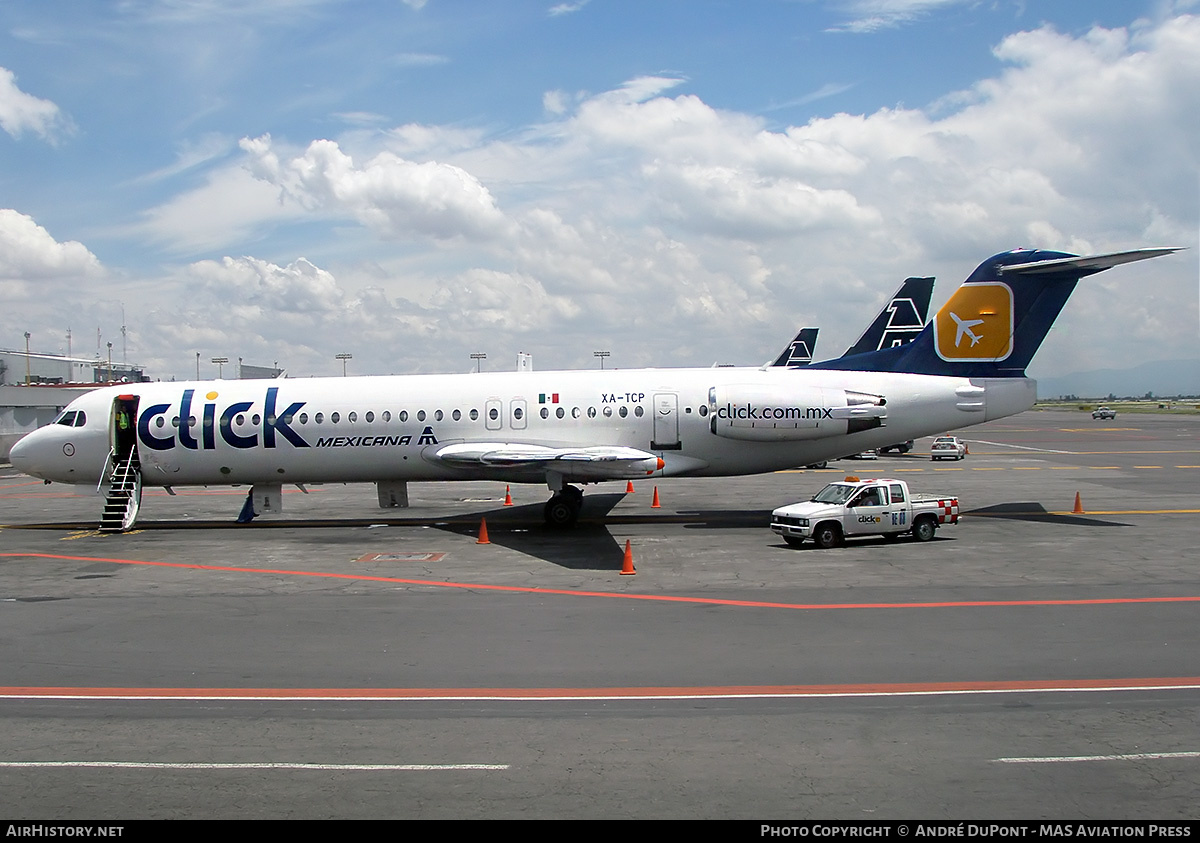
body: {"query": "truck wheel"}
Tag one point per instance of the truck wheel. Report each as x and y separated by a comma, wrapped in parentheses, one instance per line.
(924, 530)
(827, 536)
(794, 541)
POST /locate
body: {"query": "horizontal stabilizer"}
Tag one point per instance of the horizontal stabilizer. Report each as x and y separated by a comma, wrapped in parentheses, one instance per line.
(1088, 263)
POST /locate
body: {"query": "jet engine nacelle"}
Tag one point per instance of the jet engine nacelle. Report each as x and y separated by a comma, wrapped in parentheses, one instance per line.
(762, 413)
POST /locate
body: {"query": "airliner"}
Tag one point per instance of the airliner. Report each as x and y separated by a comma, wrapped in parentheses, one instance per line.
(565, 429)
(901, 319)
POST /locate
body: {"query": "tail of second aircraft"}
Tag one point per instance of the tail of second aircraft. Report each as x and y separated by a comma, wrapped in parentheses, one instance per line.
(995, 322)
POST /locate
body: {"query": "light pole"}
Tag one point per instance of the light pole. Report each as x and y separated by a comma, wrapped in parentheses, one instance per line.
(220, 361)
(602, 355)
(110, 378)
(344, 356)
(478, 357)
(197, 365)
(27, 336)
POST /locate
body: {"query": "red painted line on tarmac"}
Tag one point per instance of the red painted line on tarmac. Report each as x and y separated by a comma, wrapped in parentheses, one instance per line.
(651, 692)
(658, 598)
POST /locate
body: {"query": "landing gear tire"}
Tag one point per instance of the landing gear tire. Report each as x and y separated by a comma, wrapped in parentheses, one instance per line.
(562, 510)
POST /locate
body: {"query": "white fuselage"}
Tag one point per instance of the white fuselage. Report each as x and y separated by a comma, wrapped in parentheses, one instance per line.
(700, 422)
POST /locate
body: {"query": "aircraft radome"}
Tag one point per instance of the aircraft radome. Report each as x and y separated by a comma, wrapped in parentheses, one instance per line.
(566, 428)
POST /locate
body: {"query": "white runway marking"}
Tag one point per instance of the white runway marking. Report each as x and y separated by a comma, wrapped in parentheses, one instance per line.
(1021, 447)
(1135, 756)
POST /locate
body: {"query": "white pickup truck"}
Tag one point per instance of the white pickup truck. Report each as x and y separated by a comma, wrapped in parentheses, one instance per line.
(864, 508)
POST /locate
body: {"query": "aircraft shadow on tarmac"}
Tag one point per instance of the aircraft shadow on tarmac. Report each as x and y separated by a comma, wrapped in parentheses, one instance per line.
(1038, 513)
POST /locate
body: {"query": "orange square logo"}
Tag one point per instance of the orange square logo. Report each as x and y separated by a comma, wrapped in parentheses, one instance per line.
(976, 325)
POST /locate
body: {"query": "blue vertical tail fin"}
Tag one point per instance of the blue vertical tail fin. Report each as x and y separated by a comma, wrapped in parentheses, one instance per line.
(799, 352)
(901, 319)
(995, 322)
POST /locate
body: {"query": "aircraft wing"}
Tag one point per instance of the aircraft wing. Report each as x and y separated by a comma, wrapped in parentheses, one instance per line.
(1091, 263)
(595, 462)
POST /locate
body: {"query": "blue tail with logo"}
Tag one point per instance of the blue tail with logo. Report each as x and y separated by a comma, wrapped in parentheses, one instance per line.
(994, 323)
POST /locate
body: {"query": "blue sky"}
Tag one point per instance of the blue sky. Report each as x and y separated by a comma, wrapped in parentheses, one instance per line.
(679, 182)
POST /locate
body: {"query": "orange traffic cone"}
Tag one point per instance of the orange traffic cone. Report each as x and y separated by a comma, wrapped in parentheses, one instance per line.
(966, 450)
(629, 487)
(1078, 510)
(655, 504)
(627, 565)
(507, 497)
(483, 537)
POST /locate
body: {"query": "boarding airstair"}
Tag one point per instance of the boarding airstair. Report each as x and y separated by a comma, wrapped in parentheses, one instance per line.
(124, 494)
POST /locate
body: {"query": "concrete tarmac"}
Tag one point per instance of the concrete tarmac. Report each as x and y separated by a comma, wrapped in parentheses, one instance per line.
(346, 661)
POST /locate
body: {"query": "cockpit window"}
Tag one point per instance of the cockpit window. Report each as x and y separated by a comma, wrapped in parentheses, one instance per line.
(67, 419)
(80, 418)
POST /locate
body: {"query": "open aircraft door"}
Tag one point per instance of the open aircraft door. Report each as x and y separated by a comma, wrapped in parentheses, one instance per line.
(123, 475)
(666, 422)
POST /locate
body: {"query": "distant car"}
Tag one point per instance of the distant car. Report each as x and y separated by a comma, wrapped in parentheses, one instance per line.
(863, 455)
(1104, 413)
(948, 448)
(902, 447)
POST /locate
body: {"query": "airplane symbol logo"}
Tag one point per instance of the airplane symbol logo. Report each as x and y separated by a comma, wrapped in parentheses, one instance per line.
(981, 313)
(964, 327)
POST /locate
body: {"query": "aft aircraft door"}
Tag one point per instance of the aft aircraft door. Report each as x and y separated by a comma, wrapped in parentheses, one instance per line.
(666, 422)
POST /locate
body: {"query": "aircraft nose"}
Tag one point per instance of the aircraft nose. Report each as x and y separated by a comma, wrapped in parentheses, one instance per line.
(21, 455)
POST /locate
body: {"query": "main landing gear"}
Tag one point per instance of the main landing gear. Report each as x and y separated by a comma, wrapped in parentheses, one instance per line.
(562, 510)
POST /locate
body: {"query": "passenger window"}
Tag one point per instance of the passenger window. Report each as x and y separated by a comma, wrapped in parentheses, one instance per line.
(404, 415)
(319, 417)
(638, 411)
(591, 412)
(560, 412)
(474, 415)
(608, 412)
(456, 415)
(493, 414)
(420, 415)
(370, 417)
(624, 411)
(518, 413)
(545, 413)
(335, 417)
(352, 417)
(387, 415)
(438, 415)
(574, 412)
